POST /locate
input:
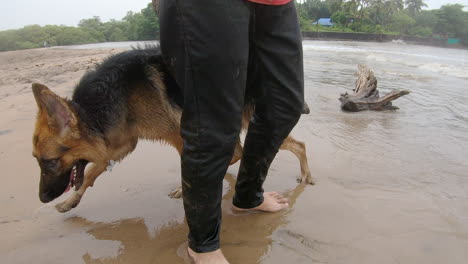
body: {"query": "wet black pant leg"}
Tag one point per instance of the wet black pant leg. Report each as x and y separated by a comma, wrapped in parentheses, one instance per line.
(211, 67)
(277, 47)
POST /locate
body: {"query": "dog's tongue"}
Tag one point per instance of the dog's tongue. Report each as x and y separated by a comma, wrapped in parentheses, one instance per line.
(68, 188)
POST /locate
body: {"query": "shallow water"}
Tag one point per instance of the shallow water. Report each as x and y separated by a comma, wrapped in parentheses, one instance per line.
(392, 187)
(423, 146)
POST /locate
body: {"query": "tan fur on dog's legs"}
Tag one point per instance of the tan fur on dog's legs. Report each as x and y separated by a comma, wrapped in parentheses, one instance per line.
(177, 142)
(237, 152)
(90, 176)
(298, 148)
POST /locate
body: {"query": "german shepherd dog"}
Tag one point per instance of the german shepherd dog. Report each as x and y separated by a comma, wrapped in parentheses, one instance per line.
(130, 96)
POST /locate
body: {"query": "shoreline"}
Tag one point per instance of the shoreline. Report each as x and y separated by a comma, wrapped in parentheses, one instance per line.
(382, 38)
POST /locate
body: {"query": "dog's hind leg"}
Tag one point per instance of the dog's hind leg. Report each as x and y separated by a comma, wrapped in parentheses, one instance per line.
(177, 142)
(298, 149)
(90, 176)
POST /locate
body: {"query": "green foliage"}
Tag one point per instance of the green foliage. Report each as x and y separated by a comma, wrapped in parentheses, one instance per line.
(404, 17)
(449, 19)
(142, 25)
(306, 24)
(150, 23)
(313, 9)
(94, 27)
(402, 22)
(341, 18)
(319, 28)
(426, 19)
(414, 6)
(334, 5)
(421, 31)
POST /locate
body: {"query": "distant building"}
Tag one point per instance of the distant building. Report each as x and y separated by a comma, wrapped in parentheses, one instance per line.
(453, 41)
(324, 22)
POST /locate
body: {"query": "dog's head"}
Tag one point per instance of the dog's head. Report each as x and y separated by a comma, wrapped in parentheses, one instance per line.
(56, 144)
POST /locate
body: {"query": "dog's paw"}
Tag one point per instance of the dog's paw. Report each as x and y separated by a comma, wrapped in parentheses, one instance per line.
(306, 179)
(67, 205)
(176, 193)
(63, 207)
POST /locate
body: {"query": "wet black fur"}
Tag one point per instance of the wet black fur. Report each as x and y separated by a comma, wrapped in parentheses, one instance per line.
(100, 97)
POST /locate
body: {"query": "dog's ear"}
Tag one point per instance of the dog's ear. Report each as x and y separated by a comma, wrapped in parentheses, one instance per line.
(37, 89)
(57, 109)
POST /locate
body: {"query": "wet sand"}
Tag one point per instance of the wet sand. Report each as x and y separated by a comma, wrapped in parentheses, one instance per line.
(384, 194)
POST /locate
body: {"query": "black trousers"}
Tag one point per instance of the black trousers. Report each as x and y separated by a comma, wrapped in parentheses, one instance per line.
(208, 44)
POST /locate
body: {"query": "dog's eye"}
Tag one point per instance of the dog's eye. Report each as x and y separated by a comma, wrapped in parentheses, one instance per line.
(49, 165)
(50, 162)
(64, 149)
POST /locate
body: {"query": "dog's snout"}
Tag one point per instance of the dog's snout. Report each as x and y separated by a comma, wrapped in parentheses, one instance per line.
(44, 197)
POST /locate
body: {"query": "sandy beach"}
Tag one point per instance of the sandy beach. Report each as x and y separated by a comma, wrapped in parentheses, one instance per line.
(392, 187)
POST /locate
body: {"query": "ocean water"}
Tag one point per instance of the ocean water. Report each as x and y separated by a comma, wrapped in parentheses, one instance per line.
(422, 147)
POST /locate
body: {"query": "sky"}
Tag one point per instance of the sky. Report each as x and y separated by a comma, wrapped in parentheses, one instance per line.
(18, 13)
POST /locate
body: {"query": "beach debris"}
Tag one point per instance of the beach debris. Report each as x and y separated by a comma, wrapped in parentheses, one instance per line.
(366, 96)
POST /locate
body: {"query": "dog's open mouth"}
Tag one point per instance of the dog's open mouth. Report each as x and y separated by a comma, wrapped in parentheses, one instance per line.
(77, 175)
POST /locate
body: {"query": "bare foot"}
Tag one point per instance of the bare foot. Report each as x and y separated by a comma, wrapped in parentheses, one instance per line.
(215, 257)
(272, 202)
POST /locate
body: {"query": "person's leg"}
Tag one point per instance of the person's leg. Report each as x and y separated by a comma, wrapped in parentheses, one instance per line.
(206, 43)
(277, 46)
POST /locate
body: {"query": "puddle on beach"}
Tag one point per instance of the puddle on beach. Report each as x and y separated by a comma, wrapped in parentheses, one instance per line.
(391, 187)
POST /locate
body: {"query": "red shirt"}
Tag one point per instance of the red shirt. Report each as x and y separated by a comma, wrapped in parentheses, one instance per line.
(271, 2)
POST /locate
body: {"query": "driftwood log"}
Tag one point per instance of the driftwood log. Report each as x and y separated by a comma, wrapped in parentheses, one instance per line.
(366, 96)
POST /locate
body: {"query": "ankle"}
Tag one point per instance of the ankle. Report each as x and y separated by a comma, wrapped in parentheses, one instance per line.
(214, 257)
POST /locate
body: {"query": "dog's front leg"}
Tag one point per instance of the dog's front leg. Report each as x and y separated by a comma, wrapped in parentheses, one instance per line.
(90, 176)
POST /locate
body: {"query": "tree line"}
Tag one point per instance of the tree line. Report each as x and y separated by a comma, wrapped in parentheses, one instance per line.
(399, 17)
(143, 25)
(404, 17)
